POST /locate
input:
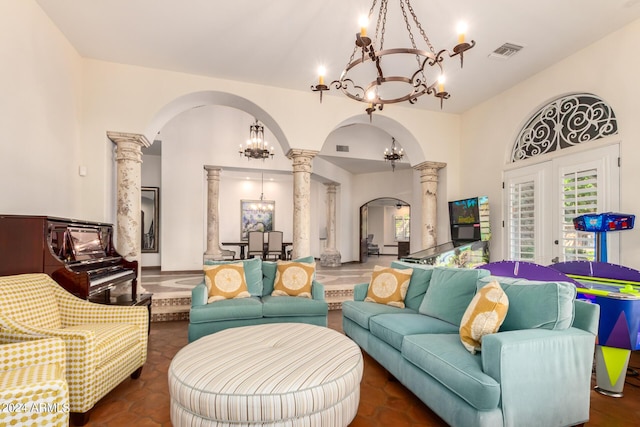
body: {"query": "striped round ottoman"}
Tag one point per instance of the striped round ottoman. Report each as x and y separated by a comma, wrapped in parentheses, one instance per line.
(283, 374)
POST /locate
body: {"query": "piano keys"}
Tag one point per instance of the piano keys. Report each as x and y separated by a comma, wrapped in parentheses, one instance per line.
(79, 255)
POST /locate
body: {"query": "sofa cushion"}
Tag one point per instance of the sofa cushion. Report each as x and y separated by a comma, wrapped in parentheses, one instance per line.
(392, 328)
(443, 357)
(269, 270)
(485, 314)
(388, 286)
(536, 304)
(450, 292)
(229, 309)
(252, 273)
(294, 279)
(279, 306)
(225, 281)
(360, 312)
(418, 284)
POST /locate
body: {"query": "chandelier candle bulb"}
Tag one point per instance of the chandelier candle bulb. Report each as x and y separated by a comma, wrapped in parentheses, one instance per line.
(364, 22)
(321, 72)
(461, 30)
(441, 84)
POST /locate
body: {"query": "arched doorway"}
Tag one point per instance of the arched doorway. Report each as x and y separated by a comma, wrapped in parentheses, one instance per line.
(206, 129)
(384, 228)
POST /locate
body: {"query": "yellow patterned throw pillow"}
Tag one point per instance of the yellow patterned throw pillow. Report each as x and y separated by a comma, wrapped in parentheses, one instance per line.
(483, 316)
(389, 286)
(225, 281)
(293, 279)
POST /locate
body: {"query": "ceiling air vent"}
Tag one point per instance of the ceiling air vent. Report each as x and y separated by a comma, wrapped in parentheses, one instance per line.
(343, 148)
(505, 51)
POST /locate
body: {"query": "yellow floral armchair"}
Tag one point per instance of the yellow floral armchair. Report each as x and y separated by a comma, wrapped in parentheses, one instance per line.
(104, 344)
(33, 390)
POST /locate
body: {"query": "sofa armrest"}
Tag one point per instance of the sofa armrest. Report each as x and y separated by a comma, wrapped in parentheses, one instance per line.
(317, 291)
(360, 291)
(199, 295)
(76, 311)
(544, 375)
(587, 316)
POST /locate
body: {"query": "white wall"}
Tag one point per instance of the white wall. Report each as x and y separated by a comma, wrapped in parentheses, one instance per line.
(40, 108)
(608, 68)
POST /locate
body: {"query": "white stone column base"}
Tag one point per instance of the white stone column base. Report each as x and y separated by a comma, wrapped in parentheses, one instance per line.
(330, 259)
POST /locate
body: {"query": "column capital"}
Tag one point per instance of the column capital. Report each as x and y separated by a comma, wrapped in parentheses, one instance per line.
(213, 173)
(295, 153)
(429, 171)
(429, 167)
(301, 159)
(118, 137)
(331, 186)
(128, 146)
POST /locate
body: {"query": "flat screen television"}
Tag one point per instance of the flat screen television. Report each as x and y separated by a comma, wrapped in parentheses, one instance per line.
(86, 243)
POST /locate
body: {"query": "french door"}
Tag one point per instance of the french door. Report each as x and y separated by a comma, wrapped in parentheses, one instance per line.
(541, 201)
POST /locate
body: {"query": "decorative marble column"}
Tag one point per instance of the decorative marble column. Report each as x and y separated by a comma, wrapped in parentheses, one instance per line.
(331, 256)
(429, 182)
(301, 201)
(128, 195)
(213, 214)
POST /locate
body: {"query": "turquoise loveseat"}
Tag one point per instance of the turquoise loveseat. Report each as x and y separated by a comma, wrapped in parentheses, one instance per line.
(536, 371)
(205, 319)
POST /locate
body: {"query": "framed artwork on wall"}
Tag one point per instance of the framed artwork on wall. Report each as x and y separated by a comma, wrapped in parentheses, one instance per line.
(256, 215)
(149, 218)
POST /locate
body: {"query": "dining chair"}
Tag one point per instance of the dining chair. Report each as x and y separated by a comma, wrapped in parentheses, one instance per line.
(256, 244)
(274, 244)
(228, 253)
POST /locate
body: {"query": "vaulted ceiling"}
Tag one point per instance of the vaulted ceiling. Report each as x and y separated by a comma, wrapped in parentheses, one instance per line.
(281, 43)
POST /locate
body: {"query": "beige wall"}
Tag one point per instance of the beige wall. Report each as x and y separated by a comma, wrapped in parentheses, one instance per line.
(40, 111)
(609, 69)
(57, 107)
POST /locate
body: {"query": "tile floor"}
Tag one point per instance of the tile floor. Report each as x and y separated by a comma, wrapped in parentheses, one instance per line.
(383, 401)
(145, 401)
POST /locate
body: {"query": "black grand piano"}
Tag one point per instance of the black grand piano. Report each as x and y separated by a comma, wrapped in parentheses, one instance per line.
(79, 255)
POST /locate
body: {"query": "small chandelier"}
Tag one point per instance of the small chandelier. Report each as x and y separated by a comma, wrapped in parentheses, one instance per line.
(256, 145)
(393, 155)
(378, 88)
(262, 206)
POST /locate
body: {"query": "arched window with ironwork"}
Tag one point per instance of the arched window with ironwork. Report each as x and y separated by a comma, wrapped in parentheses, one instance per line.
(565, 122)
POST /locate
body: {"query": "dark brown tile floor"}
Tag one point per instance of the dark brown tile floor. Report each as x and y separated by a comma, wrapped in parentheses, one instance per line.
(383, 401)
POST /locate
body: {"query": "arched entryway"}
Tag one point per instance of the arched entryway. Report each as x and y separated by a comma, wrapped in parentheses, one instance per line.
(384, 228)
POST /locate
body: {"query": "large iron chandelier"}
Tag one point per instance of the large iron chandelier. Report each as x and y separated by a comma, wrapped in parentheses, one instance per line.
(378, 76)
(393, 155)
(257, 147)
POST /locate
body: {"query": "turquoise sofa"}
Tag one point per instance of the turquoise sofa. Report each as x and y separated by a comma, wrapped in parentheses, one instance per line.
(535, 371)
(205, 319)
